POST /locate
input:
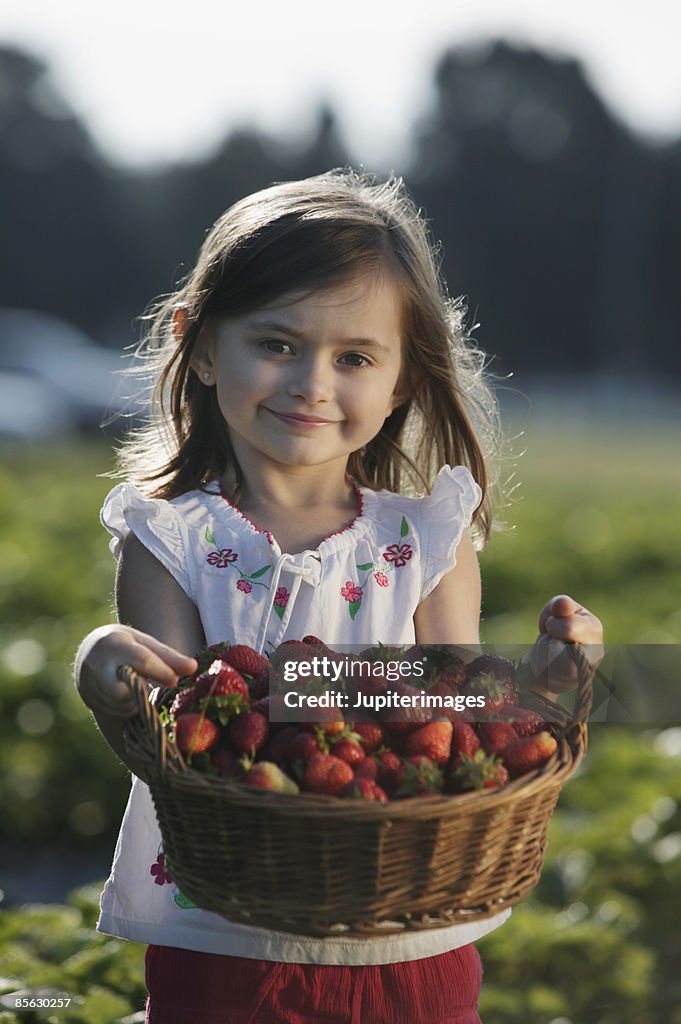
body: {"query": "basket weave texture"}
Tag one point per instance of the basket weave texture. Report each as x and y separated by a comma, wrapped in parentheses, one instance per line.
(315, 865)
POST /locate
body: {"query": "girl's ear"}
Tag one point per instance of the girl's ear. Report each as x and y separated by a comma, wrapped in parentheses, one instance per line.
(201, 360)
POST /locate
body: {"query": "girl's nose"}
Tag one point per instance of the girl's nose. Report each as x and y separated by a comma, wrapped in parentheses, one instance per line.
(311, 379)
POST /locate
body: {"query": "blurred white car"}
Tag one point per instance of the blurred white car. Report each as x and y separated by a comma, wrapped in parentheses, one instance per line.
(55, 380)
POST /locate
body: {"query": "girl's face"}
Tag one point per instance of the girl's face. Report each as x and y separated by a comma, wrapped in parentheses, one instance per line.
(309, 380)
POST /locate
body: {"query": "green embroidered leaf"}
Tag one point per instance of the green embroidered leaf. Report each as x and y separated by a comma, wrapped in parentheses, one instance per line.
(210, 538)
(279, 610)
(259, 572)
(353, 607)
(367, 565)
(404, 528)
(183, 902)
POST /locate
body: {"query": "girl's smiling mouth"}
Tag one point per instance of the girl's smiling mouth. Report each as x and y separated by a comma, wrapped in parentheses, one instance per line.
(300, 419)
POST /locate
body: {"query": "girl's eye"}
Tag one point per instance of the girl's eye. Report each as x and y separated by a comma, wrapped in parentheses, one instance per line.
(278, 347)
(357, 360)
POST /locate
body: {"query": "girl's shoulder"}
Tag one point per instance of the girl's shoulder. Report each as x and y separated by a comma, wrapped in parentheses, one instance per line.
(454, 492)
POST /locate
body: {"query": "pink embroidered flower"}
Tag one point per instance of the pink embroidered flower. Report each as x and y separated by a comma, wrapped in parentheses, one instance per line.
(351, 592)
(222, 558)
(399, 554)
(281, 597)
(244, 586)
(159, 871)
(381, 579)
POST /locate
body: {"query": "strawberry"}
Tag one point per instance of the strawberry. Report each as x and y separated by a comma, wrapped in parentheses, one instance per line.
(433, 740)
(465, 740)
(529, 752)
(525, 721)
(226, 763)
(348, 750)
(492, 664)
(418, 775)
(400, 719)
(248, 732)
(221, 680)
(443, 660)
(389, 766)
(481, 771)
(313, 640)
(274, 709)
(302, 746)
(185, 700)
(208, 655)
(277, 744)
(259, 687)
(499, 693)
(266, 775)
(364, 789)
(331, 726)
(195, 733)
(326, 774)
(366, 769)
(371, 735)
(496, 735)
(245, 660)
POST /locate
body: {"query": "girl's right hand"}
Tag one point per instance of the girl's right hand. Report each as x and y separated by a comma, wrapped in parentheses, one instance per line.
(108, 647)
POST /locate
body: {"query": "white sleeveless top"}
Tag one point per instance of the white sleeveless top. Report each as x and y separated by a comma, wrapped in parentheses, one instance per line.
(361, 585)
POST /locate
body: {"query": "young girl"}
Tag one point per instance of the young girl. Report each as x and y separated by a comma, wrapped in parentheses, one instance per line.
(309, 371)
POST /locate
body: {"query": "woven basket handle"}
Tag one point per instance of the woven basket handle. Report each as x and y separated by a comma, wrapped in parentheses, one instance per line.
(585, 674)
(144, 734)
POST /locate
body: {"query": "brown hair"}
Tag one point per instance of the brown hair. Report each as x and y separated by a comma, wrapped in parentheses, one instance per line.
(306, 235)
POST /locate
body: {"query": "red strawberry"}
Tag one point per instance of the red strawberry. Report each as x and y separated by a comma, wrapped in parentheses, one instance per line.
(529, 752)
(326, 774)
(442, 659)
(331, 726)
(302, 746)
(525, 721)
(313, 640)
(401, 719)
(260, 686)
(195, 733)
(208, 655)
(245, 660)
(226, 762)
(465, 740)
(418, 775)
(266, 775)
(371, 734)
(492, 664)
(481, 771)
(348, 750)
(496, 735)
(274, 709)
(433, 740)
(499, 693)
(389, 766)
(364, 789)
(221, 680)
(366, 769)
(277, 744)
(248, 732)
(185, 700)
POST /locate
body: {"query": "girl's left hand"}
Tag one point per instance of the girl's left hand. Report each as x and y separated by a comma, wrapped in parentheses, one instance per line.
(563, 621)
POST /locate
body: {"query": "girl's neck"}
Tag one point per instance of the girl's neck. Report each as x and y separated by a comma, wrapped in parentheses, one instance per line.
(302, 488)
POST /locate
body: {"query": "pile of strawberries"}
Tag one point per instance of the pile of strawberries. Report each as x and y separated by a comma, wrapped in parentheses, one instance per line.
(221, 720)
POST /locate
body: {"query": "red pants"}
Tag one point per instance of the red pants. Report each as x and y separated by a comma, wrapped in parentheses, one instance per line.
(201, 988)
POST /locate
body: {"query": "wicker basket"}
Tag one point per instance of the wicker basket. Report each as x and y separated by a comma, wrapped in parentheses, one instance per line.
(321, 866)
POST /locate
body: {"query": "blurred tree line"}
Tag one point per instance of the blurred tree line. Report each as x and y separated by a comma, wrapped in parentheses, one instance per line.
(561, 226)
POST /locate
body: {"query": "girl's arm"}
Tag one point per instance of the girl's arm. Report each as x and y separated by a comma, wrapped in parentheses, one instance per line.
(451, 614)
(157, 621)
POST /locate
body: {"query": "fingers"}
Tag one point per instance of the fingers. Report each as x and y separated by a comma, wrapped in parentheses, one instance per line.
(166, 664)
(560, 606)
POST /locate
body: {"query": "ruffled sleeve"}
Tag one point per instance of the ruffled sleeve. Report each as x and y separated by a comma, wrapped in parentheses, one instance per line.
(155, 522)
(447, 511)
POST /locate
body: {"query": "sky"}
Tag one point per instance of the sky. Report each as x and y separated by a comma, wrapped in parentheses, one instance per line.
(162, 81)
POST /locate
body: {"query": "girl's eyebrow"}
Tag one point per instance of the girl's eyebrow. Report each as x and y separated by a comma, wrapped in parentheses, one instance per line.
(282, 328)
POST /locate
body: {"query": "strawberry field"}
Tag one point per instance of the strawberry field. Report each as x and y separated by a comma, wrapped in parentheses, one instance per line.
(599, 939)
